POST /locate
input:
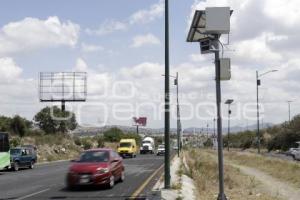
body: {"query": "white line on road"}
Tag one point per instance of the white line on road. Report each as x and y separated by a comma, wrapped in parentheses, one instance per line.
(33, 194)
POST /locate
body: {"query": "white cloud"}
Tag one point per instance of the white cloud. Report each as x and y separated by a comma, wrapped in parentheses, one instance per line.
(107, 27)
(142, 40)
(32, 33)
(255, 51)
(197, 57)
(146, 16)
(140, 17)
(143, 70)
(9, 70)
(88, 48)
(287, 12)
(80, 65)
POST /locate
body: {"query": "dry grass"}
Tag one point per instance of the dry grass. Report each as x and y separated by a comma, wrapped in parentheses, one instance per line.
(204, 171)
(53, 147)
(277, 168)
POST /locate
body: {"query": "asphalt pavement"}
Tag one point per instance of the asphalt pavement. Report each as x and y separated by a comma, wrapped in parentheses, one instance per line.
(47, 181)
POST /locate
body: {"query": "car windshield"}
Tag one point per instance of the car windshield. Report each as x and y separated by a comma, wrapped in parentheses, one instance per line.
(125, 144)
(15, 151)
(146, 142)
(94, 156)
(161, 146)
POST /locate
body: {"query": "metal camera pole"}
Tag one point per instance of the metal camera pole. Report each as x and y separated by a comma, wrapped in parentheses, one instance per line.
(221, 195)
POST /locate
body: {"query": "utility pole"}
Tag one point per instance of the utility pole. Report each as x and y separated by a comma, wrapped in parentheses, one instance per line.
(214, 127)
(167, 100)
(178, 116)
(207, 130)
(229, 102)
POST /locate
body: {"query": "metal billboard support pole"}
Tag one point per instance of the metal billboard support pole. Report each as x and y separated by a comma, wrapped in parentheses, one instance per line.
(167, 100)
(221, 195)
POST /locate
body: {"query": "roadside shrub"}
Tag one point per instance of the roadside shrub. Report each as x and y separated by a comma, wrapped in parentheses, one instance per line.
(208, 143)
(14, 142)
(113, 135)
(283, 141)
(100, 141)
(35, 132)
(87, 143)
(77, 141)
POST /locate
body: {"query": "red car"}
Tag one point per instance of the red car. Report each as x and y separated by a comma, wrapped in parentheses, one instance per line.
(96, 167)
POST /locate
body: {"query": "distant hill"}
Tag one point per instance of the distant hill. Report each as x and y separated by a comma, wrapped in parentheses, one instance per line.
(233, 129)
(92, 131)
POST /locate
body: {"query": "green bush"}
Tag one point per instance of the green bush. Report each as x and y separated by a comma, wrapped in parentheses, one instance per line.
(100, 141)
(77, 141)
(87, 143)
(208, 143)
(113, 135)
(244, 140)
(14, 142)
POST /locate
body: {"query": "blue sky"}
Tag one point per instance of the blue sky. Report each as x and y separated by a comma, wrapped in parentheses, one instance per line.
(90, 16)
(120, 44)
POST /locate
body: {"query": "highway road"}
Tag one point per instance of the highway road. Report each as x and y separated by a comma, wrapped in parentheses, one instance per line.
(47, 181)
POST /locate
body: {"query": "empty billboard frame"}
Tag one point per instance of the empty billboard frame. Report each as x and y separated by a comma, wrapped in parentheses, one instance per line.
(62, 86)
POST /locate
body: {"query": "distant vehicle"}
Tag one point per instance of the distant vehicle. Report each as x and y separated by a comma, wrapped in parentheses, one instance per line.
(160, 150)
(4, 151)
(127, 148)
(293, 151)
(175, 146)
(100, 167)
(296, 155)
(148, 146)
(22, 157)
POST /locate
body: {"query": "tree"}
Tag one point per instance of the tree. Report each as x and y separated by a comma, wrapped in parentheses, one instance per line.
(18, 125)
(5, 123)
(49, 120)
(113, 135)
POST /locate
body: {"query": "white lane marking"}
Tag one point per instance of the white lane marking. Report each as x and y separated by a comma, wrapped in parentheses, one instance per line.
(33, 194)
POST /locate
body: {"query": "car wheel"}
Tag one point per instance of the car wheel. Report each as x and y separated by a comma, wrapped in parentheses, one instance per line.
(122, 178)
(69, 186)
(16, 166)
(111, 182)
(31, 166)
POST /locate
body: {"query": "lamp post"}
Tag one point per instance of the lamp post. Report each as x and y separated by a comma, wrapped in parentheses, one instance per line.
(167, 100)
(207, 130)
(214, 127)
(289, 103)
(258, 83)
(178, 116)
(178, 113)
(228, 101)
